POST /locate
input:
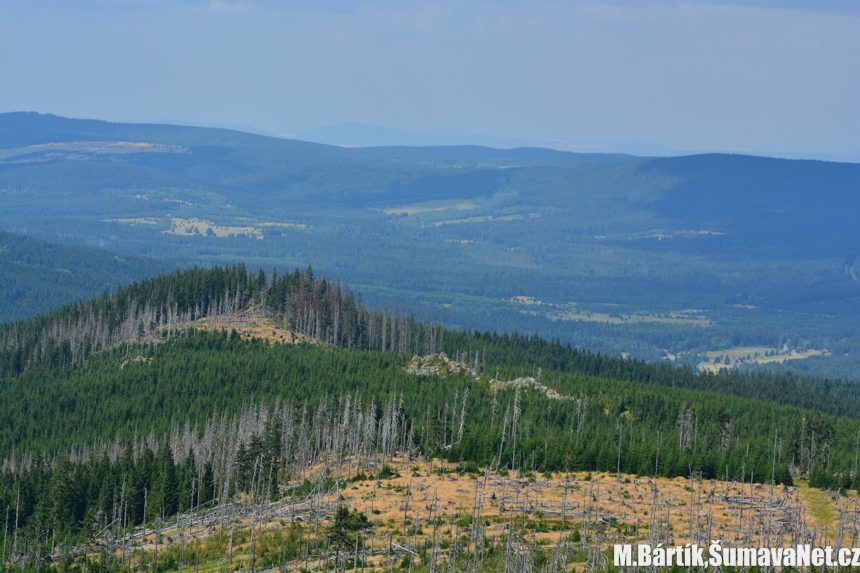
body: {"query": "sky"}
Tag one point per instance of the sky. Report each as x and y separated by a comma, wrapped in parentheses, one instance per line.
(753, 76)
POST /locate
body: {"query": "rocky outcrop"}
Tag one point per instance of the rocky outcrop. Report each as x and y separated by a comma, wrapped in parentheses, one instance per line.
(527, 383)
(442, 365)
(439, 365)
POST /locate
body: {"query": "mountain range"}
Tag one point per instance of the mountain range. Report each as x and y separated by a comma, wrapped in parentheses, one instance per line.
(674, 258)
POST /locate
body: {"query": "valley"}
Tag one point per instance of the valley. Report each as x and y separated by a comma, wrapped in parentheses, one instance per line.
(610, 232)
(337, 286)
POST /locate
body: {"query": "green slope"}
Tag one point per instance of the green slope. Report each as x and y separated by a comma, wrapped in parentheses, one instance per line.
(212, 407)
(37, 276)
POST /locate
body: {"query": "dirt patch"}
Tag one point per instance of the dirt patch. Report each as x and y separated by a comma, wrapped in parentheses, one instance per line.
(250, 324)
(136, 221)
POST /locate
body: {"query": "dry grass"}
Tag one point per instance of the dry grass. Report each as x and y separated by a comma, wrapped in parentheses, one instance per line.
(402, 508)
(604, 496)
(193, 226)
(250, 325)
(629, 500)
(198, 226)
(81, 149)
(755, 355)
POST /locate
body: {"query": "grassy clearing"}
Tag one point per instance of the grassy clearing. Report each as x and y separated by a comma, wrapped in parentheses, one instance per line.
(487, 218)
(820, 509)
(135, 221)
(251, 325)
(754, 355)
(569, 311)
(424, 206)
(402, 507)
(208, 228)
(79, 150)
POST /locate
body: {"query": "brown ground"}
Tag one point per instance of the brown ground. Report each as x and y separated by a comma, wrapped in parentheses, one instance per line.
(628, 500)
(250, 324)
(83, 149)
(588, 501)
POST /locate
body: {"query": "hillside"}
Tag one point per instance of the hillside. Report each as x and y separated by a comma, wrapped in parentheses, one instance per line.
(145, 357)
(38, 276)
(614, 248)
(226, 414)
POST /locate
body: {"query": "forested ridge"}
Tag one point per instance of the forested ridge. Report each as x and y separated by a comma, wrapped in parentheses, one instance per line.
(118, 411)
(327, 311)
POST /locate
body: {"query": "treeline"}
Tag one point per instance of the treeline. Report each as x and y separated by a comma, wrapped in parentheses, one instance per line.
(554, 257)
(84, 385)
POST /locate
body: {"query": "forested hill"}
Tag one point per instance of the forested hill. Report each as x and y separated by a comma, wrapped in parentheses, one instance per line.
(131, 362)
(38, 276)
(126, 401)
(330, 313)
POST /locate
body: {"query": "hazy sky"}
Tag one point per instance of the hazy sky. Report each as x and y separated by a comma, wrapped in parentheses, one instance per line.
(755, 75)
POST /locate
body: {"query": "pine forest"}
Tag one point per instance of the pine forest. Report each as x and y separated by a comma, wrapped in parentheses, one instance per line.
(243, 420)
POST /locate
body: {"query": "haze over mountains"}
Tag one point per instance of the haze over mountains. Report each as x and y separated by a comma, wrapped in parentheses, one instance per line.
(658, 257)
(364, 135)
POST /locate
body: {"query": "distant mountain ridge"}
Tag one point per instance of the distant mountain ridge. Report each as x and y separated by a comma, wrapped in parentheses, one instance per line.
(363, 135)
(608, 248)
(20, 129)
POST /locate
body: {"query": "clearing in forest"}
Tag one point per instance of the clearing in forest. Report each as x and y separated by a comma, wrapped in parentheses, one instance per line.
(719, 359)
(250, 324)
(415, 506)
(570, 311)
(195, 226)
(424, 206)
